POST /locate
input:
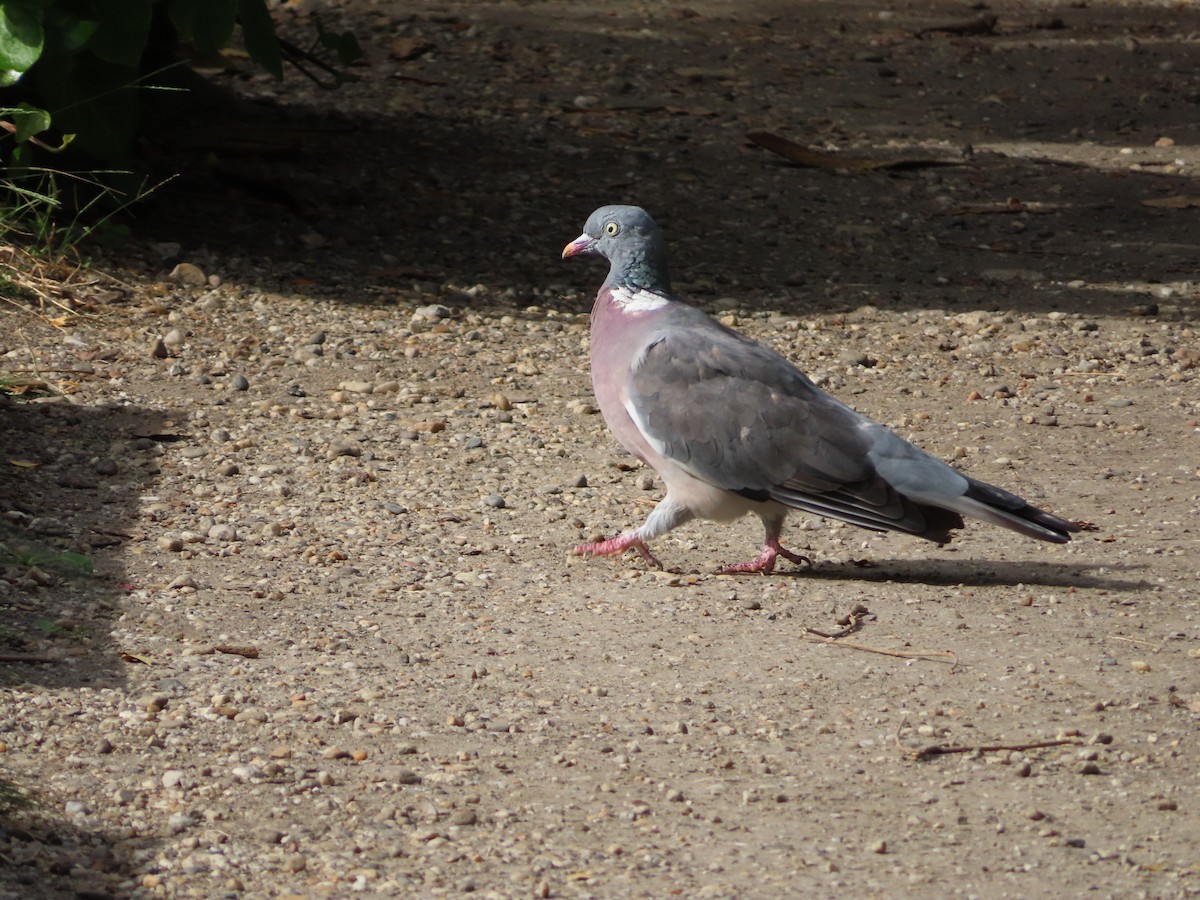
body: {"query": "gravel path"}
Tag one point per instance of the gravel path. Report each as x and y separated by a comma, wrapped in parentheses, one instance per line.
(329, 464)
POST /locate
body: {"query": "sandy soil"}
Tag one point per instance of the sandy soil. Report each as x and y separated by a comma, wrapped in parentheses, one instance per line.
(335, 641)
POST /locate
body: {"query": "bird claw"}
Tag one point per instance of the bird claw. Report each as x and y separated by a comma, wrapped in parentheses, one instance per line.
(616, 546)
(765, 564)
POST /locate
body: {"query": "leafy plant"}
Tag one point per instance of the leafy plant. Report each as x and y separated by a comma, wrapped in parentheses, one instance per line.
(64, 562)
(12, 798)
(84, 61)
(47, 627)
(79, 65)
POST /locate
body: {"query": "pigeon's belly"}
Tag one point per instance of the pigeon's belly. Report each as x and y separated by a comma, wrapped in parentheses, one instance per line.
(710, 502)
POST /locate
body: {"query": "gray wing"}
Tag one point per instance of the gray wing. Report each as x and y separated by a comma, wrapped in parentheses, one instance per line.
(740, 416)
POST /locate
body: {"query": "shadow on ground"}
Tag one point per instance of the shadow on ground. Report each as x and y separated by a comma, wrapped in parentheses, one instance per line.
(71, 482)
(437, 183)
(974, 572)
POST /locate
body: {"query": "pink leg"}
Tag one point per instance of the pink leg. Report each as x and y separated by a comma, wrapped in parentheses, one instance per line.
(618, 545)
(766, 560)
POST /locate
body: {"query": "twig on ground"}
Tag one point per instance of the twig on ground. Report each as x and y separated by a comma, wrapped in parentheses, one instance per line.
(943, 749)
(923, 753)
(1129, 640)
(932, 655)
(852, 622)
(26, 658)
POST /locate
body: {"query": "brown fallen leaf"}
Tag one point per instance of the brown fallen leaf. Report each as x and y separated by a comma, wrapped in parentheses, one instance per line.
(406, 48)
(815, 159)
(984, 24)
(698, 72)
(232, 650)
(128, 657)
(1175, 201)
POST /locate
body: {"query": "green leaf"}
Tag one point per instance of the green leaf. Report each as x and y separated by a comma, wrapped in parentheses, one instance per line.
(258, 33)
(67, 31)
(207, 24)
(29, 121)
(76, 561)
(124, 26)
(21, 38)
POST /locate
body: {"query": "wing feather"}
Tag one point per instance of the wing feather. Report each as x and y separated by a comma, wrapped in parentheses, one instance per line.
(740, 416)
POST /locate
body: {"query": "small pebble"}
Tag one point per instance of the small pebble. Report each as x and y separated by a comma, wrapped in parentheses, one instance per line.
(189, 274)
(223, 532)
(432, 311)
(463, 817)
(239, 383)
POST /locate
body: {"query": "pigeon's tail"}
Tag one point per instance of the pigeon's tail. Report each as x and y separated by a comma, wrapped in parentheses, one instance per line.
(991, 504)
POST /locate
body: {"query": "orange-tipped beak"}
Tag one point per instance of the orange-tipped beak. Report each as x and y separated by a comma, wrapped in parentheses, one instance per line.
(581, 244)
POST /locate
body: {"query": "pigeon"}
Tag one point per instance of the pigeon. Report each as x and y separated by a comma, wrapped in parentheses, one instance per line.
(732, 427)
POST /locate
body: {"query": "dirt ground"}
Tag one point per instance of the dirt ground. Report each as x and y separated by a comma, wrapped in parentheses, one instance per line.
(335, 641)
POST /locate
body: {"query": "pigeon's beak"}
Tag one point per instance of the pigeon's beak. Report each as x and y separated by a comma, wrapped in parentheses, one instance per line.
(581, 244)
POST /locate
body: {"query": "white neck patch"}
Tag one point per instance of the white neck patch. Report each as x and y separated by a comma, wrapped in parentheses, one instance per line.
(637, 300)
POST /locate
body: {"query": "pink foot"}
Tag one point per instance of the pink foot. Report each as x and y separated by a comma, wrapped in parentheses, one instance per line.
(766, 561)
(616, 546)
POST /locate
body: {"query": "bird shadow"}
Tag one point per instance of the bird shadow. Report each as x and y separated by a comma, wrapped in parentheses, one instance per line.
(974, 572)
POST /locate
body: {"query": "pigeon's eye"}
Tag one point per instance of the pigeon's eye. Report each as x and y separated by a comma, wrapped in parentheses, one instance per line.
(611, 228)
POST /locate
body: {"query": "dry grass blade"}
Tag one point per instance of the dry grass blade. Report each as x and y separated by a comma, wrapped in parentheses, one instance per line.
(47, 283)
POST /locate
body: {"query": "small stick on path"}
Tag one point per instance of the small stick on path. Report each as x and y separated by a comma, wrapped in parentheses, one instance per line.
(852, 622)
(943, 749)
(923, 753)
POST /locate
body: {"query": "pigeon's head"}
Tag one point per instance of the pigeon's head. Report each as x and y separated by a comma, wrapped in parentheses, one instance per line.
(632, 243)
